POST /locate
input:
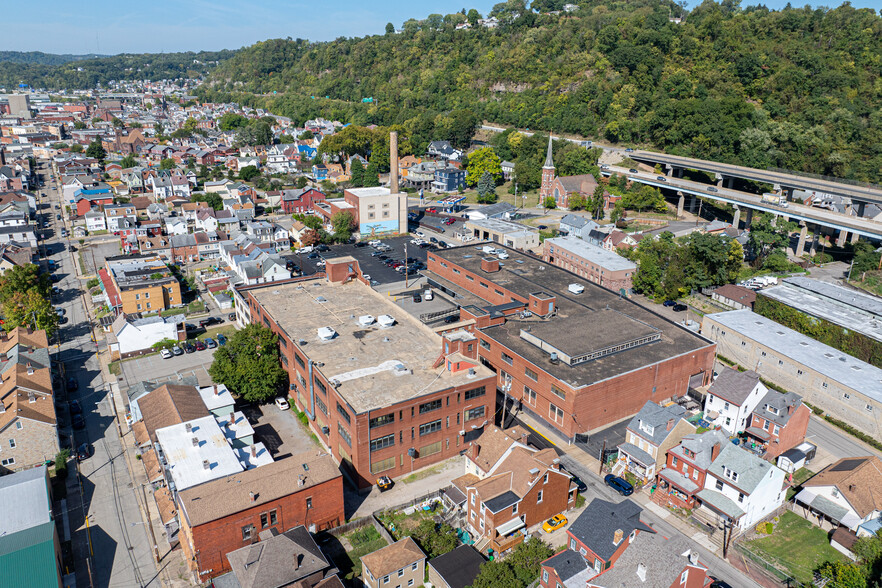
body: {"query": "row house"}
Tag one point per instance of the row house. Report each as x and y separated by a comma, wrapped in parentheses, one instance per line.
(175, 225)
(732, 398)
(164, 188)
(208, 244)
(122, 226)
(260, 230)
(184, 248)
(686, 467)
(114, 211)
(778, 423)
(148, 228)
(190, 210)
(89, 200)
(649, 435)
(158, 245)
(205, 219)
(300, 200)
(95, 221)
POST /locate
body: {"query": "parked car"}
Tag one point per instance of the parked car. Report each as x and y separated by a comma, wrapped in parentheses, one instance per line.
(376, 254)
(72, 384)
(78, 422)
(669, 303)
(84, 452)
(165, 354)
(417, 298)
(200, 346)
(618, 484)
(322, 248)
(75, 407)
(432, 209)
(449, 221)
(629, 150)
(580, 485)
(680, 307)
(177, 351)
(189, 347)
(210, 343)
(554, 523)
(221, 340)
(282, 403)
(212, 320)
(542, 227)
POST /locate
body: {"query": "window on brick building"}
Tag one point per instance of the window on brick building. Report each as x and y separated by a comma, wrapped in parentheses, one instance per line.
(247, 531)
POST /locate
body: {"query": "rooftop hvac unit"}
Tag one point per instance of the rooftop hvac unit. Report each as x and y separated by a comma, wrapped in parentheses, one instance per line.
(326, 333)
(385, 320)
(576, 288)
(366, 320)
(553, 358)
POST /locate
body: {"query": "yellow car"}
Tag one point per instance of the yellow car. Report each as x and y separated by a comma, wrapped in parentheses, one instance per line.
(554, 523)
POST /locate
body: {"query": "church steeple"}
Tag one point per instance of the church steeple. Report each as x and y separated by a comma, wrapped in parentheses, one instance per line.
(549, 162)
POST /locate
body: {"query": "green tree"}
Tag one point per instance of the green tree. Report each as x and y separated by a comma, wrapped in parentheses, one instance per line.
(843, 575)
(79, 125)
(248, 173)
(310, 220)
(128, 161)
(231, 121)
(76, 148)
(249, 364)
(23, 278)
(390, 28)
(597, 202)
(483, 161)
(434, 538)
(765, 238)
(30, 309)
(486, 189)
(549, 202)
(497, 574)
(343, 224)
(96, 150)
(527, 558)
(577, 202)
(167, 163)
(356, 173)
(256, 133)
(473, 17)
(306, 135)
(371, 176)
(212, 199)
(117, 123)
(301, 182)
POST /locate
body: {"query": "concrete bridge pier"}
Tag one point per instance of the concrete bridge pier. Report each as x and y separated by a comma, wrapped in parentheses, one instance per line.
(719, 179)
(680, 202)
(730, 182)
(693, 202)
(855, 237)
(800, 245)
(749, 218)
(843, 238)
(736, 216)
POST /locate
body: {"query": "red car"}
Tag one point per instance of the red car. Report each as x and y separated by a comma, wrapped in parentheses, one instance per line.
(200, 346)
(449, 221)
(433, 209)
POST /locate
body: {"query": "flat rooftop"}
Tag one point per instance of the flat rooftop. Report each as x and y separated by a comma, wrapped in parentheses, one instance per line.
(841, 306)
(626, 335)
(502, 226)
(369, 192)
(137, 271)
(375, 366)
(829, 362)
(593, 253)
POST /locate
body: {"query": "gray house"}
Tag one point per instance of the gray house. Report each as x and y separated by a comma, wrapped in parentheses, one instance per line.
(577, 226)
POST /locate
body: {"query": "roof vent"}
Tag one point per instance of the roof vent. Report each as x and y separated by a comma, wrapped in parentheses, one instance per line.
(326, 333)
(188, 427)
(385, 320)
(366, 320)
(553, 358)
(206, 465)
(195, 441)
(576, 288)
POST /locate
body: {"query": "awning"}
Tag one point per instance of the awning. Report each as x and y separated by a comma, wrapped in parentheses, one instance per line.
(636, 454)
(758, 433)
(511, 526)
(677, 478)
(722, 504)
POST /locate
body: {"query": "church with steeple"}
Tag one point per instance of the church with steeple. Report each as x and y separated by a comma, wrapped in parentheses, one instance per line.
(561, 188)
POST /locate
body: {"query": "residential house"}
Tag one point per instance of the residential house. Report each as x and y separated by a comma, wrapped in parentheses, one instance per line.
(157, 211)
(22, 235)
(595, 541)
(133, 335)
(443, 150)
(847, 493)
(577, 226)
(732, 398)
(169, 404)
(260, 230)
(281, 238)
(28, 425)
(686, 467)
(778, 423)
(301, 200)
(175, 225)
(740, 489)
(156, 245)
(85, 201)
(122, 226)
(30, 550)
(184, 248)
(398, 565)
(457, 568)
(737, 297)
(13, 254)
(448, 179)
(649, 435)
(127, 211)
(207, 244)
(140, 283)
(296, 232)
(190, 210)
(652, 559)
(205, 220)
(289, 558)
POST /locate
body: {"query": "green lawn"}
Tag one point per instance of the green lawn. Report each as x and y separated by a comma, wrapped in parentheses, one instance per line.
(363, 541)
(797, 546)
(799, 477)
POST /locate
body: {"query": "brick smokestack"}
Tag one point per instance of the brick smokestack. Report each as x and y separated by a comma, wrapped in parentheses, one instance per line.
(393, 162)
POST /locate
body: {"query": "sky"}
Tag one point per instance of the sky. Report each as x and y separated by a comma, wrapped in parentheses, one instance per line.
(110, 27)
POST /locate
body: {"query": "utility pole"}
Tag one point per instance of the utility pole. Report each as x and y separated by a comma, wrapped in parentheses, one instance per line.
(150, 525)
(506, 386)
(406, 280)
(602, 453)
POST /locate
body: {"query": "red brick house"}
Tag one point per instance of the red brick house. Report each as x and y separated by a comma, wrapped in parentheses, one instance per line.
(294, 201)
(228, 513)
(686, 468)
(85, 203)
(778, 423)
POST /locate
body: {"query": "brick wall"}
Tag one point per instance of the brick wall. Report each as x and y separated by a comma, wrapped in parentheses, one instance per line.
(35, 443)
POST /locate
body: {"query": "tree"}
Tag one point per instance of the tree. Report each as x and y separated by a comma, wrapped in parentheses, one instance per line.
(310, 220)
(577, 202)
(128, 161)
(30, 309)
(230, 121)
(765, 239)
(527, 558)
(486, 189)
(311, 237)
(79, 125)
(497, 574)
(167, 163)
(249, 364)
(549, 202)
(301, 182)
(96, 150)
(76, 148)
(256, 133)
(843, 575)
(371, 176)
(306, 135)
(248, 173)
(483, 161)
(117, 123)
(597, 202)
(22, 278)
(434, 538)
(212, 199)
(390, 28)
(343, 224)
(473, 17)
(356, 173)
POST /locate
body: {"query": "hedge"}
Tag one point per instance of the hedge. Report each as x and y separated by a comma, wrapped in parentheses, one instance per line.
(871, 441)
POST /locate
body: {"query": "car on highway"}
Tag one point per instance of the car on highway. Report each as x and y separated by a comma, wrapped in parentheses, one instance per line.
(165, 354)
(210, 343)
(212, 320)
(78, 422)
(618, 484)
(632, 171)
(282, 403)
(661, 178)
(200, 346)
(629, 150)
(554, 523)
(84, 452)
(669, 302)
(176, 351)
(189, 347)
(221, 340)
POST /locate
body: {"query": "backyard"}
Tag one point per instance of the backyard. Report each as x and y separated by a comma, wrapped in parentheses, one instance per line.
(353, 546)
(795, 546)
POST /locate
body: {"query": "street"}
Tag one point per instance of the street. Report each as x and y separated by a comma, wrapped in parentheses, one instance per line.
(112, 548)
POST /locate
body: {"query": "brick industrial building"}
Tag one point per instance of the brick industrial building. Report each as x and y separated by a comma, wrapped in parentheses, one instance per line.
(590, 261)
(575, 354)
(382, 390)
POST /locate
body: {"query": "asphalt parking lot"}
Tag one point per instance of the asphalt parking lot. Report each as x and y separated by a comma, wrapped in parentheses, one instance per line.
(153, 367)
(370, 265)
(279, 430)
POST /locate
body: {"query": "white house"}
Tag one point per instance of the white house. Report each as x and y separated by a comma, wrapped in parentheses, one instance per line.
(206, 221)
(176, 226)
(742, 488)
(732, 398)
(95, 221)
(133, 335)
(847, 493)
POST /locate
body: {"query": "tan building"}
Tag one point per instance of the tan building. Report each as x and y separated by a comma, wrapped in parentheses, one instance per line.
(143, 284)
(28, 427)
(399, 565)
(504, 232)
(590, 261)
(378, 210)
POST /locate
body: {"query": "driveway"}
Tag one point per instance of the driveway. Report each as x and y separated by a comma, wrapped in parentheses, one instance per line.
(279, 430)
